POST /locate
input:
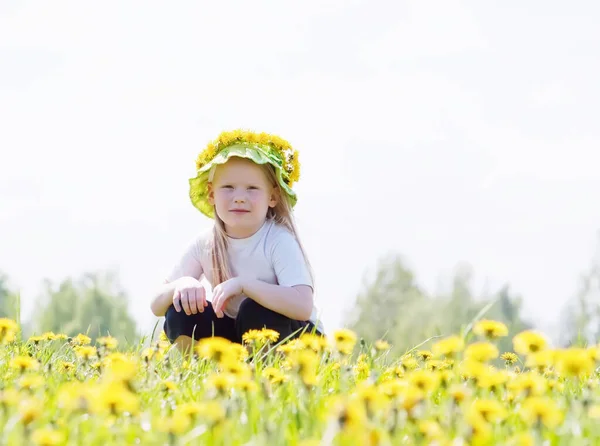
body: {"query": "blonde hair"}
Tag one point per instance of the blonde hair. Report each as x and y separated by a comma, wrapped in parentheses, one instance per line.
(282, 214)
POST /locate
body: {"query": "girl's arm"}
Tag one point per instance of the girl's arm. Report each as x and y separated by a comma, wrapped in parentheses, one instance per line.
(162, 299)
(295, 302)
(188, 265)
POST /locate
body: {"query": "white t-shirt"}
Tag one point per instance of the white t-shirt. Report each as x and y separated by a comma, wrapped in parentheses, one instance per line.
(271, 255)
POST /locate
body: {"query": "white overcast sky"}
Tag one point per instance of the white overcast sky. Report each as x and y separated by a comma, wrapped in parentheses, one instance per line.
(447, 131)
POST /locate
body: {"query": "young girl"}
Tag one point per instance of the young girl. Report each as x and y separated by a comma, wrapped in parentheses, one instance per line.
(252, 256)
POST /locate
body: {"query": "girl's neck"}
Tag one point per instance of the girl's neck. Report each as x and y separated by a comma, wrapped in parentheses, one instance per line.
(242, 233)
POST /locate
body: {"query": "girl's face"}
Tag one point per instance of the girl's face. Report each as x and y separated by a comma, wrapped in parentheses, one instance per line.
(242, 196)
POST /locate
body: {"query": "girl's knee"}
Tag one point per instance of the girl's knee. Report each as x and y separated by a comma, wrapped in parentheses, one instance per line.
(250, 310)
(175, 324)
(184, 344)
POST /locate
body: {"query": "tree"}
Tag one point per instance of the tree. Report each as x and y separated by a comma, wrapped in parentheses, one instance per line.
(580, 319)
(95, 304)
(392, 296)
(9, 302)
(394, 307)
(507, 309)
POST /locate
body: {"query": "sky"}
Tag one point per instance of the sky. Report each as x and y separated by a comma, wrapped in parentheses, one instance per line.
(449, 132)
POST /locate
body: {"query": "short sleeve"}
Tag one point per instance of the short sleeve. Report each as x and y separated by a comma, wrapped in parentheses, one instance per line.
(189, 263)
(288, 261)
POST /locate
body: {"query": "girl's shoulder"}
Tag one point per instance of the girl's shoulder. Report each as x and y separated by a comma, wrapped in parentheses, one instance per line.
(202, 238)
(279, 234)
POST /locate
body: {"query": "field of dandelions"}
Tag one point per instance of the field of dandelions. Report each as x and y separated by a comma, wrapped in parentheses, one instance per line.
(336, 390)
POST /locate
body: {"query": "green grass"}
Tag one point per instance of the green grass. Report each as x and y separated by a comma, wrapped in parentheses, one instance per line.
(150, 395)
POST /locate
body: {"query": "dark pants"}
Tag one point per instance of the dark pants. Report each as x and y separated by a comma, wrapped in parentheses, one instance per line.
(250, 316)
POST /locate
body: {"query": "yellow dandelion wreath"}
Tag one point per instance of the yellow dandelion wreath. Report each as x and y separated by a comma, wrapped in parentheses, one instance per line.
(261, 148)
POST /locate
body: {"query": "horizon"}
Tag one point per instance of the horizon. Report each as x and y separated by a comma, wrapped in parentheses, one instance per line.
(452, 133)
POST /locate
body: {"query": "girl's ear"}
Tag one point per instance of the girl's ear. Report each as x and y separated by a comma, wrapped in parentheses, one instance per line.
(274, 198)
(210, 194)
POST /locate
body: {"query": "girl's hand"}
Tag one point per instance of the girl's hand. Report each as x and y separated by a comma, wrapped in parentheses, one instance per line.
(190, 295)
(223, 292)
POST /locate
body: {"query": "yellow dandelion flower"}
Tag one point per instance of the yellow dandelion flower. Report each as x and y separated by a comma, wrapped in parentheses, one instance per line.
(47, 437)
(408, 362)
(480, 429)
(371, 397)
(35, 339)
(7, 326)
(431, 430)
(168, 386)
(120, 367)
(393, 388)
(490, 329)
(541, 410)
(424, 380)
(434, 365)
(522, 439)
(24, 363)
(481, 351)
(576, 362)
(509, 358)
(236, 368)
(528, 383)
(313, 341)
(260, 337)
(291, 346)
(30, 410)
(529, 341)
(473, 369)
(31, 382)
(237, 352)
(541, 360)
(492, 379)
(221, 382)
(555, 385)
(9, 397)
(361, 370)
(424, 355)
(211, 411)
(350, 416)
(48, 336)
(108, 342)
(382, 345)
(67, 366)
(449, 346)
(86, 352)
(251, 336)
(459, 393)
(305, 362)
(173, 424)
(73, 396)
(246, 384)
(490, 410)
(275, 376)
(216, 348)
(345, 340)
(410, 398)
(594, 352)
(294, 174)
(81, 339)
(114, 398)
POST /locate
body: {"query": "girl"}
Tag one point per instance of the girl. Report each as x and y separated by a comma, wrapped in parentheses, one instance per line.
(252, 256)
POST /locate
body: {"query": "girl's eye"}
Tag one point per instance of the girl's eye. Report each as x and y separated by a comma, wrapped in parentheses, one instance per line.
(227, 186)
(252, 187)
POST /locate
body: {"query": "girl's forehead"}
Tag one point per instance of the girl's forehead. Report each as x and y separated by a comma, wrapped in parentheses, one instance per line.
(239, 168)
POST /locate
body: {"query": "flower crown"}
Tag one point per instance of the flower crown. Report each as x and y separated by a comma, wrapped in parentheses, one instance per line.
(276, 146)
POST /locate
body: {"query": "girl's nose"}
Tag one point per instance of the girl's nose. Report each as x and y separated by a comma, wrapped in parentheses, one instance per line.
(239, 197)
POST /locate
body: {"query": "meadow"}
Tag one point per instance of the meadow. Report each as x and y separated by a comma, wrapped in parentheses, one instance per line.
(335, 390)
